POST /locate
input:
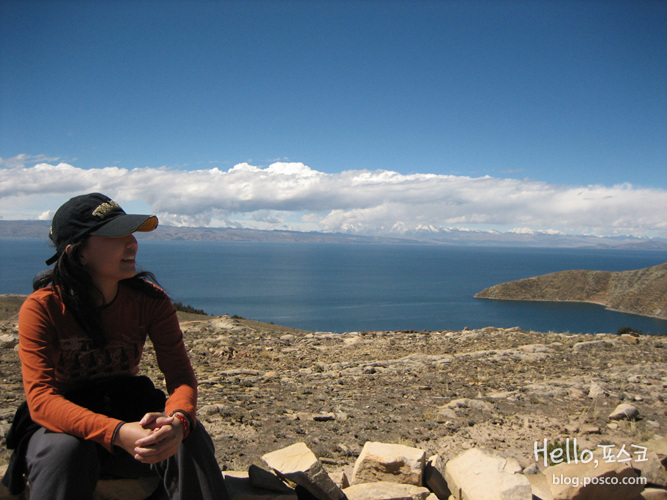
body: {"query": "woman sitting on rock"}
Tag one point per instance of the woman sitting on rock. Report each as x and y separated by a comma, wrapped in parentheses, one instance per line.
(82, 334)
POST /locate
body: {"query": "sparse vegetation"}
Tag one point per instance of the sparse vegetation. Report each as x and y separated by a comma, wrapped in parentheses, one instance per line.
(628, 330)
(188, 309)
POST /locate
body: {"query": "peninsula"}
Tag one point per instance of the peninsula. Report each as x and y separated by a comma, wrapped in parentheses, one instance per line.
(641, 291)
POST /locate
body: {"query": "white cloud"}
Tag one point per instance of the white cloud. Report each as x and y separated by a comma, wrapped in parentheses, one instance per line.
(294, 196)
(531, 231)
(23, 160)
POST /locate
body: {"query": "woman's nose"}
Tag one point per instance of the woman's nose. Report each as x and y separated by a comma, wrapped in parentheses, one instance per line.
(131, 241)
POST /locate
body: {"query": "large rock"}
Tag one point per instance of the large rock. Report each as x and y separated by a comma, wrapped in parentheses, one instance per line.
(300, 465)
(389, 462)
(483, 474)
(596, 480)
(651, 468)
(386, 490)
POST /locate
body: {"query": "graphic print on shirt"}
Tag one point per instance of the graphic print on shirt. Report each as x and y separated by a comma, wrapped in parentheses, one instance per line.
(78, 360)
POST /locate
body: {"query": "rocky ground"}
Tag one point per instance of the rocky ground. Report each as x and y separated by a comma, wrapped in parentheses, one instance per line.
(264, 387)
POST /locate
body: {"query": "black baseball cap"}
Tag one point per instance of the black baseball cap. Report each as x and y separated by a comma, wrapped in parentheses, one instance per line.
(93, 214)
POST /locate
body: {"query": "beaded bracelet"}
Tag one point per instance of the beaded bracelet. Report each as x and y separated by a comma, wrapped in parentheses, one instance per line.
(185, 422)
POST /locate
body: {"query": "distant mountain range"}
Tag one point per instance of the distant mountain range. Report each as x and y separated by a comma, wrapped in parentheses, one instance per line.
(642, 291)
(420, 235)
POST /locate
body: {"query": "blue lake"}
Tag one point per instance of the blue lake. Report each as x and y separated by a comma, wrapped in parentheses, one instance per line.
(352, 287)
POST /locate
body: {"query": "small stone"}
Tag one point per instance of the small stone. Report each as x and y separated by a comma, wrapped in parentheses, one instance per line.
(324, 417)
(590, 429)
(8, 341)
(624, 411)
(596, 391)
(571, 428)
(341, 479)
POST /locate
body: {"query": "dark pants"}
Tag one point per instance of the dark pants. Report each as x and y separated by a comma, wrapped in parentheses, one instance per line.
(61, 466)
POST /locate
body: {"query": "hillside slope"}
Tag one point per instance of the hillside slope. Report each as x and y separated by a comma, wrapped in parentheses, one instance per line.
(642, 291)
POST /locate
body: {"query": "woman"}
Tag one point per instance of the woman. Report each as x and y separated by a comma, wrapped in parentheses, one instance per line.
(81, 336)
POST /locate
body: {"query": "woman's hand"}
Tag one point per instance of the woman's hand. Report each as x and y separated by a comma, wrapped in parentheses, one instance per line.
(154, 438)
(155, 420)
(164, 440)
(128, 435)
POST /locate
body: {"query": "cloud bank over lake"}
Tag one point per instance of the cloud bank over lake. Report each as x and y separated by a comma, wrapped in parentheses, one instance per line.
(290, 195)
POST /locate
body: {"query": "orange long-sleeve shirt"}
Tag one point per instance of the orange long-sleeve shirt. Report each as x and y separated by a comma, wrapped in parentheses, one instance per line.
(56, 355)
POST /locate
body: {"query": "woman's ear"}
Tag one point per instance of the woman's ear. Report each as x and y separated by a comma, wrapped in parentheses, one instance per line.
(70, 251)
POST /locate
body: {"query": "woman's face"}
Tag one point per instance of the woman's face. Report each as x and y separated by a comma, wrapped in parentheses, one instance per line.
(109, 260)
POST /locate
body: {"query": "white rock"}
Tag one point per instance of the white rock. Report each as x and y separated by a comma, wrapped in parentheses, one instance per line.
(300, 465)
(484, 474)
(389, 462)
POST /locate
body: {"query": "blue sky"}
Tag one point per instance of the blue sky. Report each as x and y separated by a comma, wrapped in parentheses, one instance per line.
(461, 103)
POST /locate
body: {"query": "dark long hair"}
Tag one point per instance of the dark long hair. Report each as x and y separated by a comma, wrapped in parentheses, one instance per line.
(76, 289)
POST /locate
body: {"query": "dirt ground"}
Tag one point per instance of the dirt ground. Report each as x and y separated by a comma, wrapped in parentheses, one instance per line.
(264, 387)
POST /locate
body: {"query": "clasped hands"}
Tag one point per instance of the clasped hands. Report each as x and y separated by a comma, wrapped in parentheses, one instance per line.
(154, 438)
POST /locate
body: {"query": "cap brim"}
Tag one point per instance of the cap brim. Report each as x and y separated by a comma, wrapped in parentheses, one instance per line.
(127, 224)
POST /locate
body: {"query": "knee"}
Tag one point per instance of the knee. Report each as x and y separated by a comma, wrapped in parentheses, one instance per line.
(58, 451)
(61, 466)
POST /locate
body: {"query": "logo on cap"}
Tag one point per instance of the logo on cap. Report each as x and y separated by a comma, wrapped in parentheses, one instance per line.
(105, 208)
